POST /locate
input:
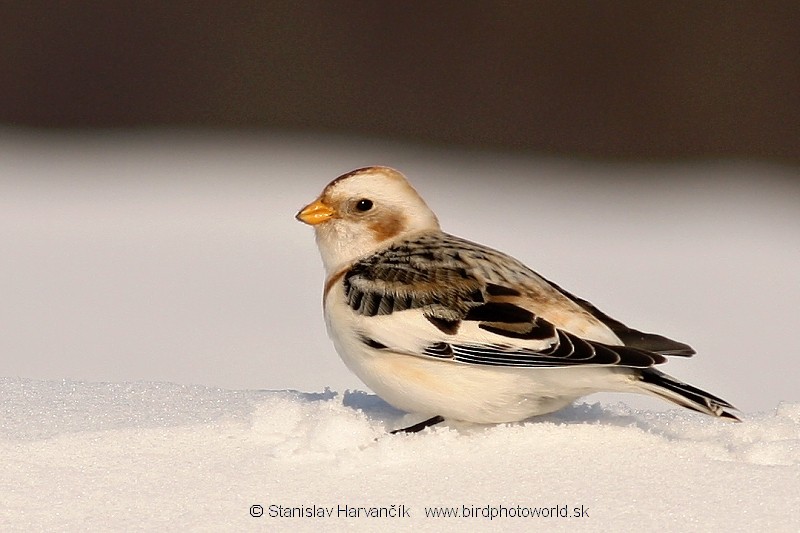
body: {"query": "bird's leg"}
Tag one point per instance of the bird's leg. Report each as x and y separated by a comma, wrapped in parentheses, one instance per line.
(420, 426)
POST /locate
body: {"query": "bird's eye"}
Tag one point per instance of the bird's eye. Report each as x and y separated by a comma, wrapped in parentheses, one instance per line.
(364, 205)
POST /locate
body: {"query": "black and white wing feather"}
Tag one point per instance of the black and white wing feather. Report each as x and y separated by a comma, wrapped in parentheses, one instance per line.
(454, 300)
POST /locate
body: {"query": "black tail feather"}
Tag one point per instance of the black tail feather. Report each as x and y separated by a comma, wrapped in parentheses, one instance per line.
(686, 395)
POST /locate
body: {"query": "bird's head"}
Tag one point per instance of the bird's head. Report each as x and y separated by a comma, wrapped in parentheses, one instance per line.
(362, 211)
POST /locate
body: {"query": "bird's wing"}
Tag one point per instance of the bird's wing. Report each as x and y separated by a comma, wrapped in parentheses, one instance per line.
(629, 336)
(433, 302)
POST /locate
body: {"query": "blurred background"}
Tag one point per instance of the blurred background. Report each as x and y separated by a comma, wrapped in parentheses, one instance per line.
(600, 79)
(645, 156)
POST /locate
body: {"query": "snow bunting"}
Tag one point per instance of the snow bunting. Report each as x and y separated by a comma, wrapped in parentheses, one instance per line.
(443, 327)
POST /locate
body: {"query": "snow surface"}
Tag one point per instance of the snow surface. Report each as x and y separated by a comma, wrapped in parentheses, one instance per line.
(160, 456)
(159, 300)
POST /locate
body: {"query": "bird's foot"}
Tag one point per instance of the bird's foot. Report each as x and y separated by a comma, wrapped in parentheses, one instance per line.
(419, 426)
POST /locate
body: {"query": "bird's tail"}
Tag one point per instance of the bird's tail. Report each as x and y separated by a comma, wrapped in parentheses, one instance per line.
(669, 388)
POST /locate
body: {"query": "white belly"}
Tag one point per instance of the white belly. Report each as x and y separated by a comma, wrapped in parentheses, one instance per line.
(460, 391)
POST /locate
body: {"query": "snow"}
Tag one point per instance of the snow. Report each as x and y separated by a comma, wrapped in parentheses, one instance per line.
(154, 456)
(159, 303)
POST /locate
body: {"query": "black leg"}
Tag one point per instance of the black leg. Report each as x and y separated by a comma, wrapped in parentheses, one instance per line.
(420, 426)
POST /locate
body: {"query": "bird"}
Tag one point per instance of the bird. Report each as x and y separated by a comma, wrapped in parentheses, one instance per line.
(448, 329)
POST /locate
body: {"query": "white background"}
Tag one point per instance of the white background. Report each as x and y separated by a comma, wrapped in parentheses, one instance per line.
(177, 258)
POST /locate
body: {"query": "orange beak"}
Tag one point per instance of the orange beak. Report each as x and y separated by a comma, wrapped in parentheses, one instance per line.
(315, 213)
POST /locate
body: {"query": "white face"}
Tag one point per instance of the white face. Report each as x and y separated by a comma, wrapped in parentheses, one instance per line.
(362, 211)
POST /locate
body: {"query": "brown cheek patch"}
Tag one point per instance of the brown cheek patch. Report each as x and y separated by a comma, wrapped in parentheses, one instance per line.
(387, 226)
